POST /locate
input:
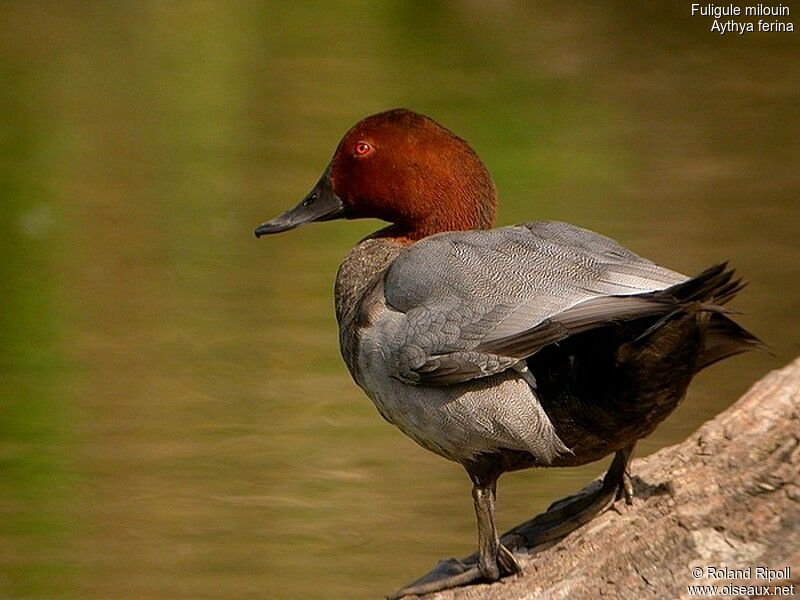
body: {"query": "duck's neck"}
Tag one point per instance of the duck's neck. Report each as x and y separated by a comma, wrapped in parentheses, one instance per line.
(455, 196)
(358, 272)
(476, 216)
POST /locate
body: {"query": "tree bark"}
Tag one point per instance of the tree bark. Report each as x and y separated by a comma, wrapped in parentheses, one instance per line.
(729, 496)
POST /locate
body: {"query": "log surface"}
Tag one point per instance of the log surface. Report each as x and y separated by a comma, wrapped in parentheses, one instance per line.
(729, 496)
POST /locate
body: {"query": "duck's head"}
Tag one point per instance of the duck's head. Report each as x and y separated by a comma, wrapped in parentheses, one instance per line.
(404, 168)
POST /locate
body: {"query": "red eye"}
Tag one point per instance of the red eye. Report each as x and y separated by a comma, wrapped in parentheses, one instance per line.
(362, 148)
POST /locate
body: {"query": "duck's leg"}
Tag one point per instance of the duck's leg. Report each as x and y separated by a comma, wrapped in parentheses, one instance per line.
(567, 514)
(494, 559)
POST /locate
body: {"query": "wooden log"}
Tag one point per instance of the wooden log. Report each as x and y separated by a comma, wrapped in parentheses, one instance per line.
(727, 497)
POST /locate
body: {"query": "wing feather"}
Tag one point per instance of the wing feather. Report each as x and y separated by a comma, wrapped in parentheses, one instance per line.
(476, 303)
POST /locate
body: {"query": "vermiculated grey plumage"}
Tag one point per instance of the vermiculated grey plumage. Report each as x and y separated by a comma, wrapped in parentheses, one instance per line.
(437, 333)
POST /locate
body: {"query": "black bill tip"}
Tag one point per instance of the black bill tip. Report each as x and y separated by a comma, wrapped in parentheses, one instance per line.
(321, 204)
(273, 226)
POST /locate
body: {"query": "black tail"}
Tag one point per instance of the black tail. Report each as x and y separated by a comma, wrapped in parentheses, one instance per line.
(713, 288)
(724, 338)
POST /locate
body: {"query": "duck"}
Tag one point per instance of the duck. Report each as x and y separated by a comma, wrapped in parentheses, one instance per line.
(541, 344)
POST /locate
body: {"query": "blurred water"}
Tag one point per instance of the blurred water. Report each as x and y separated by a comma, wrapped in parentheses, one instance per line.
(175, 421)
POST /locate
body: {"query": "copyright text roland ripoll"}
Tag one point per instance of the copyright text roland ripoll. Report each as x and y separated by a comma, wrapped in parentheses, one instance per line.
(747, 581)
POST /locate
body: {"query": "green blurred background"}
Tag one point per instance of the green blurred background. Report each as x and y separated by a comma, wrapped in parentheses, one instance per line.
(175, 420)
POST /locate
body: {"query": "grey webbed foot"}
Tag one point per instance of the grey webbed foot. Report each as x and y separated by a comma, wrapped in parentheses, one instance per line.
(455, 573)
(465, 577)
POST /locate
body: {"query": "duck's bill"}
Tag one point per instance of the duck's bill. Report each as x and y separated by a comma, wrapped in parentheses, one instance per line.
(321, 204)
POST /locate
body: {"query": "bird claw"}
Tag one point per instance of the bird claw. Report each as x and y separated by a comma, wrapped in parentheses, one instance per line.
(508, 562)
(626, 488)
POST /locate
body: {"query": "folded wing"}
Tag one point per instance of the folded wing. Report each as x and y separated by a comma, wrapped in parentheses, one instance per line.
(472, 304)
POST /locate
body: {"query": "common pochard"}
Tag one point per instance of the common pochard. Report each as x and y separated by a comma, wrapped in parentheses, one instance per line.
(535, 345)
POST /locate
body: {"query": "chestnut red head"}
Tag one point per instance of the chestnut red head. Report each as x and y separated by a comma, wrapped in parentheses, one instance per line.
(404, 168)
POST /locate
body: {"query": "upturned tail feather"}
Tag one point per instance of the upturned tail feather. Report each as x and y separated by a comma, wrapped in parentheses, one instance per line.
(712, 289)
